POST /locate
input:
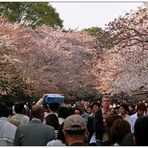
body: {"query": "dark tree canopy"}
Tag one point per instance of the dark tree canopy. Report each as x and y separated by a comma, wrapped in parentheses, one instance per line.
(95, 31)
(30, 13)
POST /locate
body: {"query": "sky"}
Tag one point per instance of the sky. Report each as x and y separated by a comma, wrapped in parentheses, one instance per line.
(80, 15)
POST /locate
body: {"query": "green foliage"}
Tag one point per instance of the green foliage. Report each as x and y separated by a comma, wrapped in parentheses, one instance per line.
(94, 31)
(30, 13)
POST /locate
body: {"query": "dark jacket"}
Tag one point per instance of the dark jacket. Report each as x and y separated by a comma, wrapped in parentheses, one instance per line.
(99, 125)
(95, 124)
(34, 134)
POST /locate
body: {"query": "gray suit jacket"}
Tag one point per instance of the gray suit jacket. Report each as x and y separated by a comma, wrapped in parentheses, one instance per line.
(34, 133)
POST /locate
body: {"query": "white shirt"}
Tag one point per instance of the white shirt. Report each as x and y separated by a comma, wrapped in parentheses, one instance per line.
(40, 102)
(127, 118)
(23, 119)
(61, 120)
(7, 132)
(93, 138)
(55, 143)
(134, 117)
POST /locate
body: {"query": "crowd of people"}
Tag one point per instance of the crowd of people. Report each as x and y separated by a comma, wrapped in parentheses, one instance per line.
(84, 123)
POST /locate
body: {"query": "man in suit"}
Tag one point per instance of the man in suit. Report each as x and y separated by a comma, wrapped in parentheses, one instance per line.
(34, 133)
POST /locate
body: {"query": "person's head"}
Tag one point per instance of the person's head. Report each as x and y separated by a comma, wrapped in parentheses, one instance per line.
(4, 110)
(19, 108)
(53, 107)
(141, 131)
(53, 121)
(119, 130)
(86, 104)
(128, 140)
(77, 111)
(95, 106)
(116, 109)
(70, 111)
(123, 109)
(131, 107)
(37, 111)
(80, 105)
(141, 108)
(110, 120)
(74, 129)
(106, 101)
(63, 112)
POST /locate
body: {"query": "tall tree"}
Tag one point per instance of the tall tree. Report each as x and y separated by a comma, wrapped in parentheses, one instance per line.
(51, 60)
(124, 65)
(95, 31)
(30, 13)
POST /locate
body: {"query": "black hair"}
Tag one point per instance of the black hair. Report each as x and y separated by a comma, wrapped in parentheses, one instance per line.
(19, 108)
(141, 131)
(125, 106)
(75, 132)
(95, 103)
(54, 106)
(77, 108)
(53, 121)
(119, 130)
(4, 110)
(63, 112)
(141, 106)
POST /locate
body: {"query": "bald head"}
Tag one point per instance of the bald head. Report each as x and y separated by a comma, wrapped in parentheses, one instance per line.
(37, 111)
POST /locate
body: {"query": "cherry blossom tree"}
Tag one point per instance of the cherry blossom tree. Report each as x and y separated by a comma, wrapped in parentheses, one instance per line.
(77, 64)
(51, 60)
(124, 63)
